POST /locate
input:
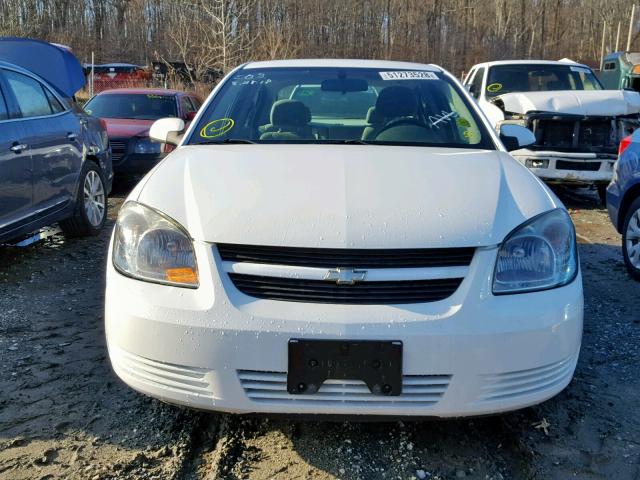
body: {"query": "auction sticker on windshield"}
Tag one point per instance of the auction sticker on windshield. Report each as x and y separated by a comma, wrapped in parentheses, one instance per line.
(408, 75)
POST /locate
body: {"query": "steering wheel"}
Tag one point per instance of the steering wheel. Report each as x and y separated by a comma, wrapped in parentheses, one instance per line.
(401, 121)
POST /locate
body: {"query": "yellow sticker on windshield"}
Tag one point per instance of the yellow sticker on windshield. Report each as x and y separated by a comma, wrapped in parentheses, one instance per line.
(494, 87)
(463, 122)
(217, 128)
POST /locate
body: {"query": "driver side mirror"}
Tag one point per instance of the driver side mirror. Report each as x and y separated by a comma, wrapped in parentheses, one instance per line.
(167, 130)
(515, 137)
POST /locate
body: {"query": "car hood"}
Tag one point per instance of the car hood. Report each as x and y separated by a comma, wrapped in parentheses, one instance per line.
(577, 102)
(125, 127)
(345, 196)
(54, 63)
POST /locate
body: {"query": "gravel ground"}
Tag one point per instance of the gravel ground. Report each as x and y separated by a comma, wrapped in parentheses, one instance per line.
(64, 414)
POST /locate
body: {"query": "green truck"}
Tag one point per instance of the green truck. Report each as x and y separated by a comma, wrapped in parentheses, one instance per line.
(621, 70)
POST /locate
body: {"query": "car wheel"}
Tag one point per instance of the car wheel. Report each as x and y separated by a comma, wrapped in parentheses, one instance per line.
(631, 239)
(90, 212)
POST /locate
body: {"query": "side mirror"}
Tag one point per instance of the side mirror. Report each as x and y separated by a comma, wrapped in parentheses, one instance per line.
(167, 130)
(514, 137)
(190, 116)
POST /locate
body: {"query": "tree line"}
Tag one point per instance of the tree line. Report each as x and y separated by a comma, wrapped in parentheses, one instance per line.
(219, 34)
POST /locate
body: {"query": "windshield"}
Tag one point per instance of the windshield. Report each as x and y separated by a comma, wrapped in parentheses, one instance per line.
(131, 105)
(539, 78)
(340, 105)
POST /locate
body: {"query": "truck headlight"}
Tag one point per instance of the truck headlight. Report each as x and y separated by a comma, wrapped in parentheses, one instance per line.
(538, 255)
(150, 246)
(146, 145)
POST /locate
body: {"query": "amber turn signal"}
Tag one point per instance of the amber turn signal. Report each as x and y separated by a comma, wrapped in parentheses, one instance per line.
(182, 275)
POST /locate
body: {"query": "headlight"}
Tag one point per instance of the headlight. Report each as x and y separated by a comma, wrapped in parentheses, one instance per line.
(538, 255)
(146, 145)
(150, 246)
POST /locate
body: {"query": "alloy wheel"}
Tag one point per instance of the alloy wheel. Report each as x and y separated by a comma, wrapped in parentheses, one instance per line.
(632, 238)
(94, 198)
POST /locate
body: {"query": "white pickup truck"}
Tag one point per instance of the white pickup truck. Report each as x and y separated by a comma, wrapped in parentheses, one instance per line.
(577, 124)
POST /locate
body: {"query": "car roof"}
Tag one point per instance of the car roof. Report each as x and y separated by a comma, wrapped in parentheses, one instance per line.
(341, 63)
(531, 62)
(143, 91)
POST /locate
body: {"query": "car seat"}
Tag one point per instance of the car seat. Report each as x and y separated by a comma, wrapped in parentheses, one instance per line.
(289, 121)
(374, 122)
(397, 103)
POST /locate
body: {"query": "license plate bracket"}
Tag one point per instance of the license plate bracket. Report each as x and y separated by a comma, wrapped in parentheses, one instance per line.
(377, 363)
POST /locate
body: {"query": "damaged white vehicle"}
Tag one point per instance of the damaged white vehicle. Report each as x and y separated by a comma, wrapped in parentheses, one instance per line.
(578, 125)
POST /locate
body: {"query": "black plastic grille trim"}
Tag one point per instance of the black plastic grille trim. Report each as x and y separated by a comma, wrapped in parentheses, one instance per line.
(347, 258)
(364, 293)
(581, 166)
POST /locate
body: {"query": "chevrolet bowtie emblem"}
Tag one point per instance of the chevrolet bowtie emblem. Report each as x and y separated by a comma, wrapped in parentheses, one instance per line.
(346, 276)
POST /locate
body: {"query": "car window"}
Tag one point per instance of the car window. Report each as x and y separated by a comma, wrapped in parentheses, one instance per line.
(476, 85)
(196, 103)
(4, 111)
(54, 103)
(186, 105)
(539, 78)
(29, 94)
(137, 106)
(336, 105)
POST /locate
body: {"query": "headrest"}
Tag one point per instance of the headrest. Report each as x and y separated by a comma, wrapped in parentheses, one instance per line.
(290, 112)
(373, 117)
(396, 101)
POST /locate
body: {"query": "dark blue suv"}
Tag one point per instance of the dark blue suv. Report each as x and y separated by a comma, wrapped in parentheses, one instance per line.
(55, 163)
(623, 201)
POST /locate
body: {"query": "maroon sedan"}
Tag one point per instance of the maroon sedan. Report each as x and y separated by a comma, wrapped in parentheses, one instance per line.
(129, 113)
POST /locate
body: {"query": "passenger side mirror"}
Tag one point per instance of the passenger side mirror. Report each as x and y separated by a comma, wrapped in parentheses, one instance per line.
(167, 130)
(515, 137)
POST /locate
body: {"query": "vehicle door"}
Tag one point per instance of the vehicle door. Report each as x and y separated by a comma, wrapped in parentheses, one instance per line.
(52, 132)
(16, 188)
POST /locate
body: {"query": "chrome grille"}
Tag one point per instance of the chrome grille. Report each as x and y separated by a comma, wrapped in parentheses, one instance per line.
(271, 387)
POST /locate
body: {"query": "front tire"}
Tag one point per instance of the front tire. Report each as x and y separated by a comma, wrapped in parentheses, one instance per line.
(631, 239)
(90, 211)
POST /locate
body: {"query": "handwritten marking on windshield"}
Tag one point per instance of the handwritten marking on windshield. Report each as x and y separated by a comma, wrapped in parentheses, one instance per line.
(442, 117)
(217, 128)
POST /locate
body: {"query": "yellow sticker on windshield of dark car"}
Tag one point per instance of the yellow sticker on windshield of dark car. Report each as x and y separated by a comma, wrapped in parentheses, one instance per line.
(217, 128)
(494, 87)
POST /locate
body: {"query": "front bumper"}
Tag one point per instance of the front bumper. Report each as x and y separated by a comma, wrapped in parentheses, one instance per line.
(215, 348)
(567, 167)
(138, 163)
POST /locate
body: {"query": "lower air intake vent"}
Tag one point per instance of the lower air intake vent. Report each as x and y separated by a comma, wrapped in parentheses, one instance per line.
(524, 382)
(324, 291)
(271, 387)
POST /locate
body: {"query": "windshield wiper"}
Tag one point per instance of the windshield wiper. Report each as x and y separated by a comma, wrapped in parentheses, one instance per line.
(226, 141)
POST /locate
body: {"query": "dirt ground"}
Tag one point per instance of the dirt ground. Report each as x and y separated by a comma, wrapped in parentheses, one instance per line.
(64, 414)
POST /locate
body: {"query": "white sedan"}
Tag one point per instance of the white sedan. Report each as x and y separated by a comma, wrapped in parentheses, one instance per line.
(343, 237)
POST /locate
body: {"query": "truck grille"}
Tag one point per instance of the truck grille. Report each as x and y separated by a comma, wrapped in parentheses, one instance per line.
(347, 258)
(574, 133)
